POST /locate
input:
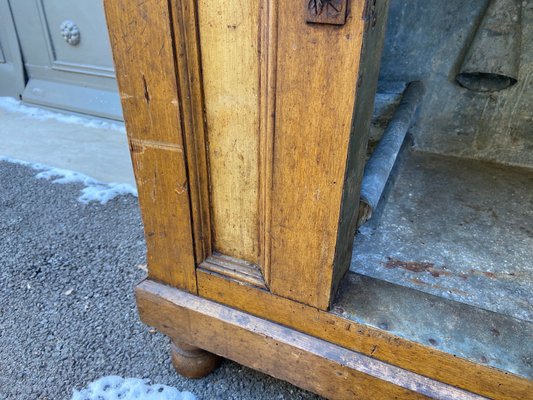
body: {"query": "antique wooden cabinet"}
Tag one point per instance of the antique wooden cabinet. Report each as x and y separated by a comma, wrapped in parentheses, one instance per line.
(248, 127)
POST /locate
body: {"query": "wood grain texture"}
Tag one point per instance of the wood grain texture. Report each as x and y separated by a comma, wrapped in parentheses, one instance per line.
(192, 362)
(375, 343)
(229, 36)
(287, 145)
(232, 268)
(311, 363)
(267, 118)
(318, 71)
(144, 55)
(191, 101)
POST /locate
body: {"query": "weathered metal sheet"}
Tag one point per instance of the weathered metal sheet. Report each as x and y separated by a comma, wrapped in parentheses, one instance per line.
(493, 59)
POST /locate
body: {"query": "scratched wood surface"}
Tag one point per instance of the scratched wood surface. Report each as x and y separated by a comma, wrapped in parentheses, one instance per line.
(317, 82)
(373, 342)
(265, 172)
(144, 54)
(307, 79)
(310, 363)
(229, 37)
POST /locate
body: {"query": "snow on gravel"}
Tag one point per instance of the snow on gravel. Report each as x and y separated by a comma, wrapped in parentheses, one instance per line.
(117, 388)
(10, 104)
(94, 190)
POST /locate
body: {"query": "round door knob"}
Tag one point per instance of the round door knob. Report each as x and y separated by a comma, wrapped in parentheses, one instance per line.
(70, 32)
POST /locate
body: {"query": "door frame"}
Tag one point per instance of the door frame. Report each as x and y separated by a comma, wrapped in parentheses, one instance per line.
(12, 76)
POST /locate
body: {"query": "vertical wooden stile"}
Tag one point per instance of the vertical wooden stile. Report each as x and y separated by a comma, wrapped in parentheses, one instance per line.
(151, 106)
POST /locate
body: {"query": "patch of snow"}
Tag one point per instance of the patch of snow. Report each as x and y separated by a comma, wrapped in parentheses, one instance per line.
(94, 190)
(12, 105)
(105, 192)
(118, 388)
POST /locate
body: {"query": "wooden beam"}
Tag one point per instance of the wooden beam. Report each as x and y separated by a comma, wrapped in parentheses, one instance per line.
(310, 363)
(326, 81)
(373, 342)
(143, 45)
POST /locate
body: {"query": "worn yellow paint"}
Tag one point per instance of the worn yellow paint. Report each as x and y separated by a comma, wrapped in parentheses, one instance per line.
(230, 61)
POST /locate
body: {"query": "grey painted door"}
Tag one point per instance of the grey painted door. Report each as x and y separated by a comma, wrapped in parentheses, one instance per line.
(11, 68)
(67, 56)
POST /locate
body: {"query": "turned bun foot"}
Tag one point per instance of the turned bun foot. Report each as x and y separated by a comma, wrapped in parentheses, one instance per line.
(191, 361)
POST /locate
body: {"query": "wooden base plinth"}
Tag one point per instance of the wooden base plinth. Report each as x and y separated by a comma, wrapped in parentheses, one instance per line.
(308, 362)
(191, 361)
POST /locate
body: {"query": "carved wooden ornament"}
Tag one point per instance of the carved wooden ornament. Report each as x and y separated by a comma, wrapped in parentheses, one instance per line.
(331, 12)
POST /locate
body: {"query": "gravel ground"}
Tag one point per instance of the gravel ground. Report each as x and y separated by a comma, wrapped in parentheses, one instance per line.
(67, 312)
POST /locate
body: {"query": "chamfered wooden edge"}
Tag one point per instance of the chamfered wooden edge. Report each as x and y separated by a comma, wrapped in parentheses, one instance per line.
(375, 14)
(233, 268)
(184, 17)
(308, 362)
(378, 344)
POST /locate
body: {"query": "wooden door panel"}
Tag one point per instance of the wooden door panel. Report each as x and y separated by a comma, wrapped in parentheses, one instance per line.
(67, 56)
(11, 68)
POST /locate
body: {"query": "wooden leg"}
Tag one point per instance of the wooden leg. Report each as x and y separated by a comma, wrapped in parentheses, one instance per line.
(191, 361)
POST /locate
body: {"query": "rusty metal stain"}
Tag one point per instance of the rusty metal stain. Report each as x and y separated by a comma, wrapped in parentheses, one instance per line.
(414, 266)
(437, 272)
